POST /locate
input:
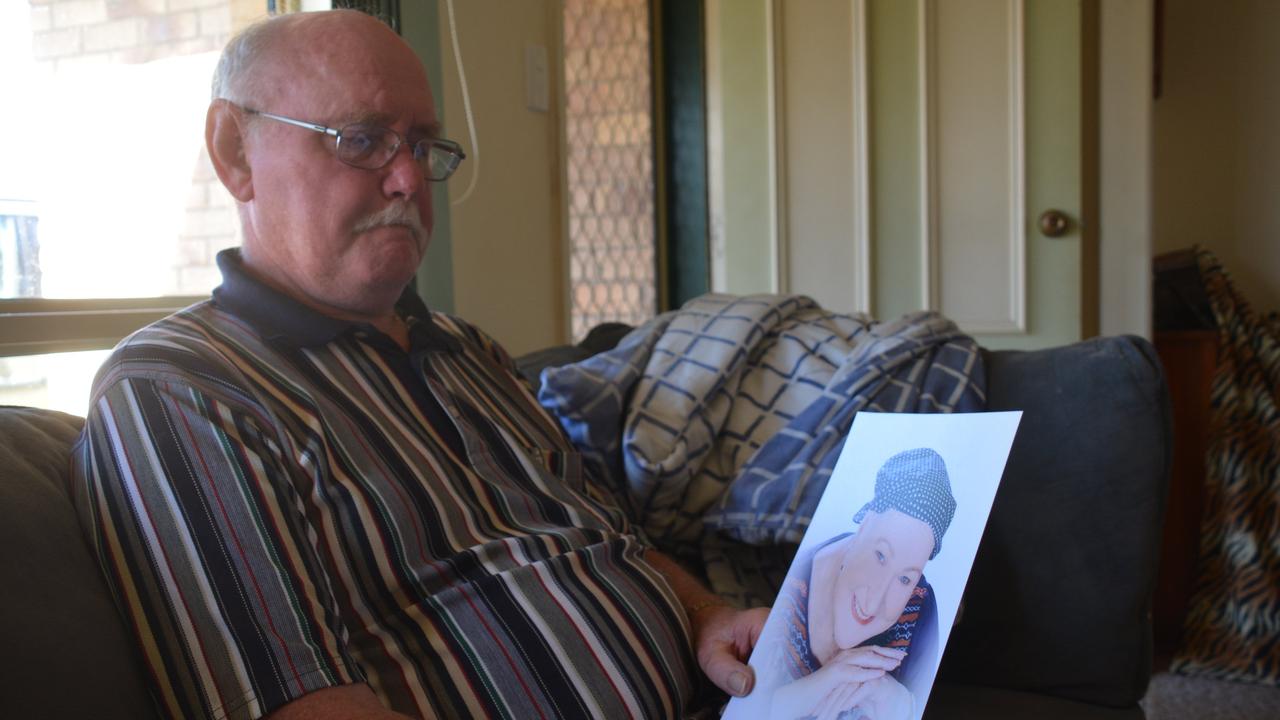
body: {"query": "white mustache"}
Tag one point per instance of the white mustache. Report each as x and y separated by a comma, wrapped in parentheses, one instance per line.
(397, 213)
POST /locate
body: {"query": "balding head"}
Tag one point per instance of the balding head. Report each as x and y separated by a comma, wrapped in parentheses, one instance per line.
(250, 63)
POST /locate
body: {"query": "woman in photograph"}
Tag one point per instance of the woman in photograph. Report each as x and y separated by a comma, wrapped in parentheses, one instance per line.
(861, 619)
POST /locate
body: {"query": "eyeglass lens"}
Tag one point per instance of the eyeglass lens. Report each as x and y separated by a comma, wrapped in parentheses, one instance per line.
(372, 147)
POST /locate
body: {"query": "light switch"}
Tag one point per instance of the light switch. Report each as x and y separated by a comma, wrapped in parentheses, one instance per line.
(536, 83)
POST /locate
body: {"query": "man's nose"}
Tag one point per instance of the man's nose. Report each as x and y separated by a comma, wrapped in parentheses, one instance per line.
(405, 177)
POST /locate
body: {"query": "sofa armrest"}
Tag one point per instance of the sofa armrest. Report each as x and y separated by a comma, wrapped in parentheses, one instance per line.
(1060, 594)
(68, 651)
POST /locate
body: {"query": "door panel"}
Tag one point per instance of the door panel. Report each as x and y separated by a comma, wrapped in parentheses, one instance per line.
(975, 179)
(825, 233)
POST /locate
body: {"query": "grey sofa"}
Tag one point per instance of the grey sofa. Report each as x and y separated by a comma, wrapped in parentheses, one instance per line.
(1056, 621)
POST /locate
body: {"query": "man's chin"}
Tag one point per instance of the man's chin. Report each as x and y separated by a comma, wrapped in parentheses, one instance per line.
(393, 255)
(393, 274)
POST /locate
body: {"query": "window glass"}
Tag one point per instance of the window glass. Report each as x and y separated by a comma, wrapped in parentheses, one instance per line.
(59, 381)
(105, 188)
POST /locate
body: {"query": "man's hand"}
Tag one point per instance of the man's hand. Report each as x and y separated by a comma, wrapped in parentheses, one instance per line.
(723, 638)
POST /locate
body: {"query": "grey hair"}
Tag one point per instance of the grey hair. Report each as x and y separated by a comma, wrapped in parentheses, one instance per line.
(234, 78)
(231, 77)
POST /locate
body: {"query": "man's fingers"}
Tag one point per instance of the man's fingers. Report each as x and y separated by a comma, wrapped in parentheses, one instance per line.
(724, 641)
(728, 673)
(748, 630)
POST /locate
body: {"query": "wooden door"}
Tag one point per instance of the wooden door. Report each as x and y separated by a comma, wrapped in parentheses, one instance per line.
(915, 145)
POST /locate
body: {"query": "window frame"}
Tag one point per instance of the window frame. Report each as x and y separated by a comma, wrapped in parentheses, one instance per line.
(39, 326)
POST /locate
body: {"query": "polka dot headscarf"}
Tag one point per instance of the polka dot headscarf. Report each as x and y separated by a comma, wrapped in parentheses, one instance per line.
(915, 483)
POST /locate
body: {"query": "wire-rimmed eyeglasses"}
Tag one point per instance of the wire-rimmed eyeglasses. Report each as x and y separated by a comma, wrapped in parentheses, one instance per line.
(371, 147)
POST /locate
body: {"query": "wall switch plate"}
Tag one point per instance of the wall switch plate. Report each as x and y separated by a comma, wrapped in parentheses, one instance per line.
(537, 84)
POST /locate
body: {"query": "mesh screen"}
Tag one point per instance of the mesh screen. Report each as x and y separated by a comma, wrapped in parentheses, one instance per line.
(609, 159)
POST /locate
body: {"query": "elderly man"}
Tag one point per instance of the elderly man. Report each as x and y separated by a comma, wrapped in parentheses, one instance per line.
(315, 498)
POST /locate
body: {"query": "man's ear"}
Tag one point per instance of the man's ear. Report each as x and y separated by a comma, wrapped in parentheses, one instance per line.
(224, 136)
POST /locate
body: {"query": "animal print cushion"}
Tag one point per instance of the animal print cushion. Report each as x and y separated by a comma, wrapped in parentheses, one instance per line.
(1232, 629)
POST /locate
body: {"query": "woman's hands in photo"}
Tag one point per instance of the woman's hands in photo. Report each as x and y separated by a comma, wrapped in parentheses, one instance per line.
(881, 699)
(884, 699)
(835, 684)
(856, 665)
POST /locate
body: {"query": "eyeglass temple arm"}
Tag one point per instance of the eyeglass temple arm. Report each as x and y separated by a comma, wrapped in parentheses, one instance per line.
(299, 123)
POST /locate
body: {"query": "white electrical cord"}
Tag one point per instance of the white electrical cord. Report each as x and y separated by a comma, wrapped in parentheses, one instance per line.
(474, 154)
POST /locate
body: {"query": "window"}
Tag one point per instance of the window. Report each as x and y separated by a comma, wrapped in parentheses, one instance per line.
(19, 250)
(110, 213)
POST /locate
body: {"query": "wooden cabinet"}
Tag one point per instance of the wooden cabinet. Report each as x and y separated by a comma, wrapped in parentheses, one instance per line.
(1189, 358)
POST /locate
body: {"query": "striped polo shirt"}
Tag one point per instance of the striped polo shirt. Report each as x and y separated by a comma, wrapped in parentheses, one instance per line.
(283, 502)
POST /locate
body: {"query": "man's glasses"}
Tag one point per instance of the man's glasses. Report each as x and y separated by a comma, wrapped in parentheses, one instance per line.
(371, 147)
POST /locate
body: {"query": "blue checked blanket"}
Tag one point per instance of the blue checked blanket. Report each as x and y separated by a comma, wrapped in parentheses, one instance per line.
(718, 425)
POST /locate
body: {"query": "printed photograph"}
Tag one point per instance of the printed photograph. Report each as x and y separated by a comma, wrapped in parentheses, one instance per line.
(858, 626)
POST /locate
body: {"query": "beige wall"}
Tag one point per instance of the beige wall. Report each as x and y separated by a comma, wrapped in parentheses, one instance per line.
(508, 270)
(1216, 155)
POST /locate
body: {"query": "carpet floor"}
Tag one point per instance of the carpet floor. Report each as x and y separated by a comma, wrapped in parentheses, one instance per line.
(1179, 697)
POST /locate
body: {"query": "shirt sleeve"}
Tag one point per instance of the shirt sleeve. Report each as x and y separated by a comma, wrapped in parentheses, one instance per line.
(185, 498)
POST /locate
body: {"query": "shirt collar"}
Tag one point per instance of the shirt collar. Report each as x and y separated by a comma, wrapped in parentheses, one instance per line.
(283, 319)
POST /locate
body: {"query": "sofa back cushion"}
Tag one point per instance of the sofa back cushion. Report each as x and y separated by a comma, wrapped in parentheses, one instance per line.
(66, 650)
(1059, 598)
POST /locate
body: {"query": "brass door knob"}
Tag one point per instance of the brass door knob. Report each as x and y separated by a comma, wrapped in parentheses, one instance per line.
(1054, 223)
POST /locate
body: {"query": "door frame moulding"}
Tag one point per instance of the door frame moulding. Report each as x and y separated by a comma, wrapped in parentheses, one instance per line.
(928, 182)
(861, 168)
(778, 237)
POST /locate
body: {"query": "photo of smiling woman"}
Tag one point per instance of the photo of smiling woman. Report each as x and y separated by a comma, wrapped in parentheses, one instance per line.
(861, 619)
